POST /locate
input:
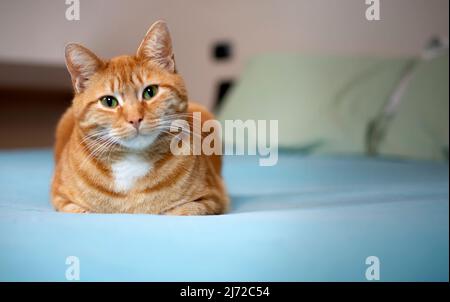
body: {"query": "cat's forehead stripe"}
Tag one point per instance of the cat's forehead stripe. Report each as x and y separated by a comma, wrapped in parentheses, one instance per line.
(126, 78)
(135, 79)
(116, 84)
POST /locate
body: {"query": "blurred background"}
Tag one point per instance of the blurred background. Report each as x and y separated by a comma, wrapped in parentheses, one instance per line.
(230, 53)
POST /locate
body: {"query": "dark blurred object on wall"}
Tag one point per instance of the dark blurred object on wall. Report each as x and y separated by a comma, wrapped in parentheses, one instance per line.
(32, 99)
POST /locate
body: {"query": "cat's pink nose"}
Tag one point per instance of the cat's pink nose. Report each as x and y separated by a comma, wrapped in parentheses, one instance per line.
(136, 122)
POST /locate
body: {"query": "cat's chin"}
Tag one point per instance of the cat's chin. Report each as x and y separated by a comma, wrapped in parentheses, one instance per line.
(139, 142)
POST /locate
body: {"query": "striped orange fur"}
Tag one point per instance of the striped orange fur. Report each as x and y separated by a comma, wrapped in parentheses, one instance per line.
(116, 159)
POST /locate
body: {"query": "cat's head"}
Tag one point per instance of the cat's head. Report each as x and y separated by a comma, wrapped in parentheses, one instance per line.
(128, 100)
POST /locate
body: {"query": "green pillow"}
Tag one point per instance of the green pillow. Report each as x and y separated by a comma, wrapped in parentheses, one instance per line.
(420, 127)
(323, 103)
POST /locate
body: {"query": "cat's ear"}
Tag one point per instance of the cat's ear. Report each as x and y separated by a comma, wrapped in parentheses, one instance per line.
(157, 47)
(82, 65)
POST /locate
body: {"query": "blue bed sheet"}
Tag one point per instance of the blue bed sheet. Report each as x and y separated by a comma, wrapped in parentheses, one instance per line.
(305, 219)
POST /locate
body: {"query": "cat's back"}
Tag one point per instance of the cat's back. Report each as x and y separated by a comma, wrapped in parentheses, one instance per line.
(206, 115)
(63, 132)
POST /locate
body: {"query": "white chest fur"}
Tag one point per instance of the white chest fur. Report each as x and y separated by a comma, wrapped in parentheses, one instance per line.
(128, 170)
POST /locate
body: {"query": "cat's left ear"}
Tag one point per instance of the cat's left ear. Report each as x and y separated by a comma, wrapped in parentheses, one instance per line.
(157, 47)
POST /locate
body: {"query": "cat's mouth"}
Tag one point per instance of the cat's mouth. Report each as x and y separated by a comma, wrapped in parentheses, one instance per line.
(139, 140)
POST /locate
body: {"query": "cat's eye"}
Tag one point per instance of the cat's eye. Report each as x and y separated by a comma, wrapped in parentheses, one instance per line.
(109, 101)
(149, 92)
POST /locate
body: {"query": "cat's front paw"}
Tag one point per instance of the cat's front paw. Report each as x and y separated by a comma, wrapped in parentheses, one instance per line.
(73, 208)
(194, 208)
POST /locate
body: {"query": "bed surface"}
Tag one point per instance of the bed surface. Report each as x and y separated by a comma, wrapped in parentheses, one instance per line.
(305, 219)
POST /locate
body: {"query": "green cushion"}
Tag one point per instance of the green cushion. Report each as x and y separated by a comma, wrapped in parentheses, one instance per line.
(323, 103)
(420, 127)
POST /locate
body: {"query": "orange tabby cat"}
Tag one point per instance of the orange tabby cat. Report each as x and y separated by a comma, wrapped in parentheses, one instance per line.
(112, 149)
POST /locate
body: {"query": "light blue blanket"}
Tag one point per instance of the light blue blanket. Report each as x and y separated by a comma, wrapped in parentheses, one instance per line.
(305, 219)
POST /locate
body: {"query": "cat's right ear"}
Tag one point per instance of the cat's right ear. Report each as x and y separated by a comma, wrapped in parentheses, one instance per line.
(82, 65)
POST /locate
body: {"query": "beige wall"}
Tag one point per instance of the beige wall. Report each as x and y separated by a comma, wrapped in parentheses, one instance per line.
(35, 31)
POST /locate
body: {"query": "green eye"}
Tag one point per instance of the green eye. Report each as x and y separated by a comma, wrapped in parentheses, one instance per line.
(149, 92)
(109, 101)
